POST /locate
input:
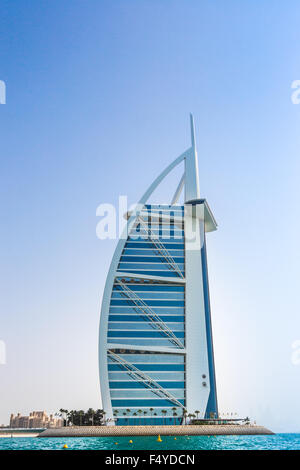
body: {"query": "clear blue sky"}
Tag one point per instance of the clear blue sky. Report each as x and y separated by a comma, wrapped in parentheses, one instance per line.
(98, 96)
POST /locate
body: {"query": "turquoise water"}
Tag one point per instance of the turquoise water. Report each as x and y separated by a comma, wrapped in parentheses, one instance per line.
(274, 442)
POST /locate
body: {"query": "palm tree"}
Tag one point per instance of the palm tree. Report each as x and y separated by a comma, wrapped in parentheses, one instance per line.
(64, 415)
(190, 415)
(90, 415)
(174, 414)
(71, 416)
(98, 417)
(75, 417)
(134, 414)
(125, 414)
(184, 415)
(145, 412)
(197, 413)
(81, 413)
(164, 412)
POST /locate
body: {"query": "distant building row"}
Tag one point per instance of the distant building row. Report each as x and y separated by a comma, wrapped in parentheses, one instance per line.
(36, 419)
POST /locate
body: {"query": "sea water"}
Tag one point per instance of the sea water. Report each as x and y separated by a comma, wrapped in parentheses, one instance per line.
(269, 442)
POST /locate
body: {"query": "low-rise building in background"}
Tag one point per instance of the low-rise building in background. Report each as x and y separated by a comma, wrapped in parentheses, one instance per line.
(36, 419)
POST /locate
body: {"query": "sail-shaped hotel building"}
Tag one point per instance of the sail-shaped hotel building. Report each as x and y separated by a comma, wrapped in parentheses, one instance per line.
(156, 357)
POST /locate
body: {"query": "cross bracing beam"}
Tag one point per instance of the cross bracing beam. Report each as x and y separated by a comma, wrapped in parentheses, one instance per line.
(156, 321)
(178, 190)
(136, 373)
(160, 247)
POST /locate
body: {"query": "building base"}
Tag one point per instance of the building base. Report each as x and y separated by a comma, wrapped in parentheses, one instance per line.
(191, 430)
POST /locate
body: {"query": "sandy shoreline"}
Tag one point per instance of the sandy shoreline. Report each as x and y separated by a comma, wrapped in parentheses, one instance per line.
(18, 434)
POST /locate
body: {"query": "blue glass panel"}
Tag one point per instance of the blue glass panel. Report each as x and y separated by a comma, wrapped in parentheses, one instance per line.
(150, 252)
(165, 223)
(152, 295)
(148, 244)
(129, 403)
(132, 384)
(159, 358)
(163, 341)
(150, 302)
(141, 334)
(166, 237)
(157, 266)
(148, 259)
(135, 318)
(166, 233)
(155, 225)
(146, 325)
(169, 242)
(158, 310)
(143, 393)
(155, 375)
(150, 367)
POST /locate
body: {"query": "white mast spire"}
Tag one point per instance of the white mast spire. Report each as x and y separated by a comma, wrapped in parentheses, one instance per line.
(193, 140)
(192, 188)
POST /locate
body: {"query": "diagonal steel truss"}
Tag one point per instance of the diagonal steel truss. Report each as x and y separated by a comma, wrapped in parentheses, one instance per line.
(156, 321)
(146, 379)
(160, 247)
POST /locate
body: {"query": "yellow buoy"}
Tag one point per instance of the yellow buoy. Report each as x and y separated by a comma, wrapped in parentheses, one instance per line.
(65, 446)
(130, 442)
(159, 439)
(175, 438)
(116, 443)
